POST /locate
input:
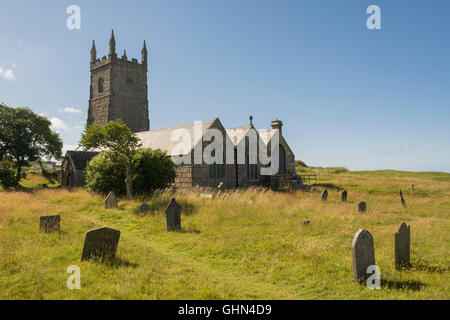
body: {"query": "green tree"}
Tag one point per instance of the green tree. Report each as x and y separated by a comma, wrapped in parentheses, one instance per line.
(26, 137)
(153, 169)
(119, 143)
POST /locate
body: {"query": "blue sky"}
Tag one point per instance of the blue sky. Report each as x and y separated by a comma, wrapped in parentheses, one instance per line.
(348, 96)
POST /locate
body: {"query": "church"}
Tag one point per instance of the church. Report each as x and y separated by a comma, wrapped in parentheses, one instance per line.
(119, 90)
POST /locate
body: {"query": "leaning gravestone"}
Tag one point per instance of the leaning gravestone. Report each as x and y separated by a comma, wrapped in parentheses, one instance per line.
(363, 254)
(344, 196)
(325, 195)
(50, 224)
(173, 216)
(402, 199)
(111, 200)
(362, 207)
(144, 208)
(402, 246)
(101, 244)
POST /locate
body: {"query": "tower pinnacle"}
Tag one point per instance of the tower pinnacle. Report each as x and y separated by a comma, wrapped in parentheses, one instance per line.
(144, 53)
(112, 45)
(93, 52)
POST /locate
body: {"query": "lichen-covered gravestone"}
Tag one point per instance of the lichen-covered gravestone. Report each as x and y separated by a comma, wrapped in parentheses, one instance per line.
(362, 207)
(50, 224)
(344, 196)
(325, 195)
(111, 200)
(363, 254)
(402, 246)
(101, 244)
(173, 215)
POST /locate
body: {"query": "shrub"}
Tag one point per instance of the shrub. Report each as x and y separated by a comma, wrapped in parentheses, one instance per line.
(154, 170)
(300, 163)
(7, 174)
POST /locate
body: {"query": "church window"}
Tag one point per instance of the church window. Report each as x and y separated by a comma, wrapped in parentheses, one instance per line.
(130, 86)
(100, 85)
(216, 170)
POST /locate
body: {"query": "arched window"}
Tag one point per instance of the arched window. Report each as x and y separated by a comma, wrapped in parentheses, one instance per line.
(100, 85)
(130, 86)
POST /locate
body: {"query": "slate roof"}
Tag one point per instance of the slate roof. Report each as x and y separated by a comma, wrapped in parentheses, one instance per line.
(161, 138)
(79, 159)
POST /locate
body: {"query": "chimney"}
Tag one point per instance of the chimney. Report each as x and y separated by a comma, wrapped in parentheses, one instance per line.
(277, 124)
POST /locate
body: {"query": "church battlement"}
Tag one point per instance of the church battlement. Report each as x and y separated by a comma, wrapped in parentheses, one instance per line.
(119, 88)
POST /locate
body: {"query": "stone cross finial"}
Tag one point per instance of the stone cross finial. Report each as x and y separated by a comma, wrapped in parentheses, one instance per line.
(251, 121)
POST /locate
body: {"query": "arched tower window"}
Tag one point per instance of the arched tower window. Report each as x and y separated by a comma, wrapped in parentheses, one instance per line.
(100, 85)
(130, 86)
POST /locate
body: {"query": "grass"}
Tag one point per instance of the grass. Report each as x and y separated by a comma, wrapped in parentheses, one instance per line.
(245, 245)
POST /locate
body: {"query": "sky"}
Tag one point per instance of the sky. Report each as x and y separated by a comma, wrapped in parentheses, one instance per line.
(347, 96)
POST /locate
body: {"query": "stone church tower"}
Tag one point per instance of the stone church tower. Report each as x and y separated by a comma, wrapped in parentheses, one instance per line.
(119, 89)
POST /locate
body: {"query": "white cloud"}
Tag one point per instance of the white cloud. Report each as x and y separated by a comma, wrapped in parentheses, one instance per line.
(70, 110)
(7, 74)
(59, 125)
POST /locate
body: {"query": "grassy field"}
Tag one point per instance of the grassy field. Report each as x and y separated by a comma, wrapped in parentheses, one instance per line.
(244, 245)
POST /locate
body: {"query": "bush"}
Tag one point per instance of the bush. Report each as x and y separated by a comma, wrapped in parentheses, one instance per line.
(153, 168)
(300, 163)
(7, 174)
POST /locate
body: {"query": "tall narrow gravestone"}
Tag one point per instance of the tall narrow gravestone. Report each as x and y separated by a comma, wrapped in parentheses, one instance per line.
(325, 195)
(111, 200)
(101, 243)
(402, 199)
(363, 254)
(402, 246)
(173, 215)
(344, 196)
(50, 224)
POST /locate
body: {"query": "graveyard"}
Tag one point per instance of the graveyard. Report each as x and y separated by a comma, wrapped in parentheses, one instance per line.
(242, 244)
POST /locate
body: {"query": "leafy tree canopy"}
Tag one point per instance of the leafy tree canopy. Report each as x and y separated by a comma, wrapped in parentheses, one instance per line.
(118, 142)
(26, 137)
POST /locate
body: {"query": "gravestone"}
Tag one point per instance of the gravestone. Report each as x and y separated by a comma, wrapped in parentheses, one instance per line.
(101, 244)
(144, 208)
(173, 215)
(402, 246)
(50, 224)
(402, 199)
(363, 254)
(344, 196)
(220, 188)
(362, 207)
(306, 222)
(111, 200)
(412, 187)
(325, 195)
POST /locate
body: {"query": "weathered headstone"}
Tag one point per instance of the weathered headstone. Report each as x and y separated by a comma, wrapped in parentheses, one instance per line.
(220, 188)
(344, 196)
(412, 187)
(144, 208)
(101, 244)
(402, 199)
(325, 195)
(50, 224)
(306, 222)
(173, 215)
(363, 254)
(402, 246)
(362, 207)
(111, 200)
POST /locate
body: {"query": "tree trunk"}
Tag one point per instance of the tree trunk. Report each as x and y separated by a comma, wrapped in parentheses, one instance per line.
(129, 182)
(18, 173)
